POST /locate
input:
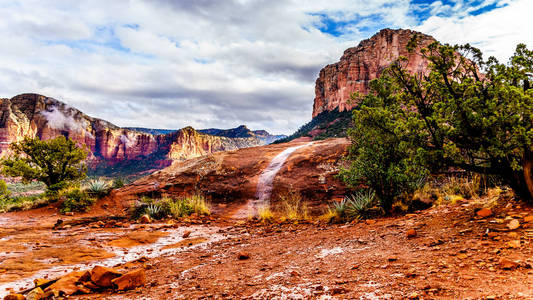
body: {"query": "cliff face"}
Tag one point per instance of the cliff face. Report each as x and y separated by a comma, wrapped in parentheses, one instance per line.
(44, 117)
(359, 65)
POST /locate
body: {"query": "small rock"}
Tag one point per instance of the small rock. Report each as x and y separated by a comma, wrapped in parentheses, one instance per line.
(370, 222)
(66, 284)
(507, 264)
(411, 233)
(186, 234)
(514, 224)
(14, 297)
(35, 294)
(413, 295)
(295, 274)
(145, 219)
(69, 213)
(484, 212)
(40, 281)
(392, 258)
(130, 280)
(243, 255)
(102, 276)
(514, 244)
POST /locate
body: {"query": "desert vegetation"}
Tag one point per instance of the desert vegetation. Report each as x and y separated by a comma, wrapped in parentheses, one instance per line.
(172, 207)
(466, 113)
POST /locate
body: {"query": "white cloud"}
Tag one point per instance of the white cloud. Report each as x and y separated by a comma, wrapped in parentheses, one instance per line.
(496, 32)
(211, 63)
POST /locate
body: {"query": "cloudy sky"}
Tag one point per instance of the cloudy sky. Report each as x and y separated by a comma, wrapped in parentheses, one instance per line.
(218, 63)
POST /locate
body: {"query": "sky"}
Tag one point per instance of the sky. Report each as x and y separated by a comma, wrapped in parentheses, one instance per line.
(218, 63)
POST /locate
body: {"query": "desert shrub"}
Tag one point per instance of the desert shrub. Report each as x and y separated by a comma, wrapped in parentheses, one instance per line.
(177, 208)
(118, 183)
(188, 205)
(465, 113)
(98, 187)
(76, 200)
(4, 192)
(22, 202)
(292, 207)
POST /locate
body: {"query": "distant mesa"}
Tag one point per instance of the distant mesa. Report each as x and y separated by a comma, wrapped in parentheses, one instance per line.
(112, 150)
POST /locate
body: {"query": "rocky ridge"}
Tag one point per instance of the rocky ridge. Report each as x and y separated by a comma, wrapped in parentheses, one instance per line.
(44, 117)
(359, 65)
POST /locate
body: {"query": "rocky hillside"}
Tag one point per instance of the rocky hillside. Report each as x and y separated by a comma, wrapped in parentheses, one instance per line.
(359, 65)
(110, 146)
(233, 176)
(243, 132)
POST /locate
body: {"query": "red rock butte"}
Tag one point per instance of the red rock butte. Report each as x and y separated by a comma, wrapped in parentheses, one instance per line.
(359, 65)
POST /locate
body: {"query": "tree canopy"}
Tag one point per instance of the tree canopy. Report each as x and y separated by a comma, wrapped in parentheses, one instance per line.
(464, 112)
(54, 162)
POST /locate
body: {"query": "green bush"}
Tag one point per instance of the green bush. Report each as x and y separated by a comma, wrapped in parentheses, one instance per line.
(76, 200)
(465, 113)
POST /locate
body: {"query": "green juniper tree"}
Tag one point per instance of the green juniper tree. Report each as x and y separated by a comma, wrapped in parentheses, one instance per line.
(55, 162)
(465, 113)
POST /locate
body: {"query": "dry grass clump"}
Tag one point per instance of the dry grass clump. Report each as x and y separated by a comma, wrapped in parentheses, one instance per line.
(265, 214)
(292, 207)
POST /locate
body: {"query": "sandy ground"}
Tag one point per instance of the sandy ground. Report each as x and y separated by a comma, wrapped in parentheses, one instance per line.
(455, 255)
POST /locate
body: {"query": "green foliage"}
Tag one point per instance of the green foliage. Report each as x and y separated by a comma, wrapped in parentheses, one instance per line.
(76, 200)
(98, 188)
(466, 113)
(22, 202)
(4, 192)
(334, 124)
(55, 162)
(356, 206)
(359, 204)
(118, 183)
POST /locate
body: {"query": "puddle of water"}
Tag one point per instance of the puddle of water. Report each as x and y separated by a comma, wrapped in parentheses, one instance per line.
(124, 255)
(326, 252)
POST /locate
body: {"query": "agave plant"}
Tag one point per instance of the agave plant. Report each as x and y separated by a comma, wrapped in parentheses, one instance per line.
(358, 204)
(153, 210)
(98, 187)
(340, 208)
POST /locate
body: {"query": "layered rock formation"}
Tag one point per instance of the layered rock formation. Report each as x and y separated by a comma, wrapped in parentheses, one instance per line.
(44, 117)
(359, 65)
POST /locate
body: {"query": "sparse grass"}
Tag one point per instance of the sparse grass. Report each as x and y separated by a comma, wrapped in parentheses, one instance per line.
(265, 214)
(18, 188)
(177, 208)
(292, 207)
(76, 199)
(22, 202)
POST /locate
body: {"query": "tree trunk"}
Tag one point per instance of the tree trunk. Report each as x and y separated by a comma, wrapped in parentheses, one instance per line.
(528, 175)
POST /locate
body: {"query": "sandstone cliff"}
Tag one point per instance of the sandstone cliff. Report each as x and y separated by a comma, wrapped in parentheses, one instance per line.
(359, 65)
(44, 117)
